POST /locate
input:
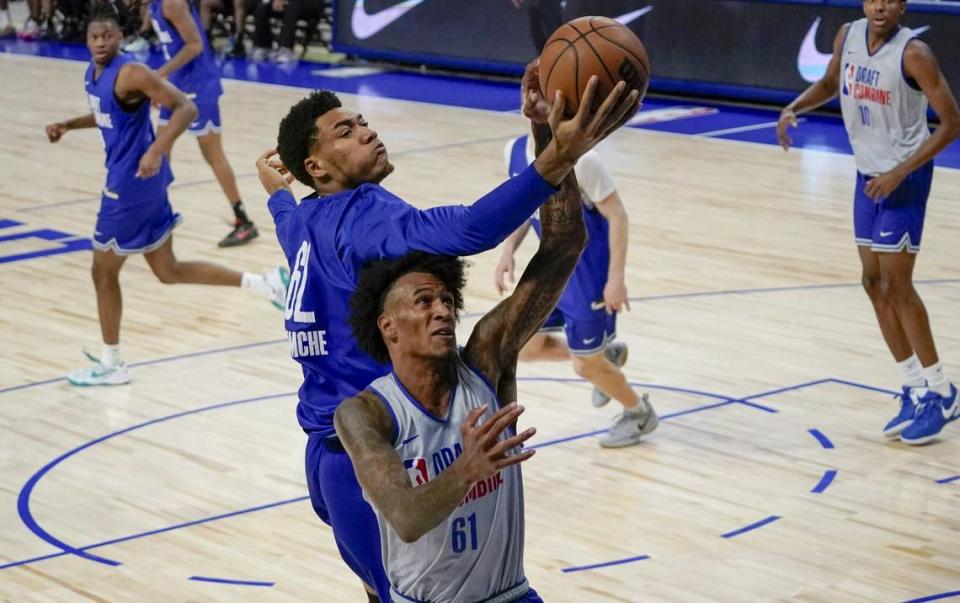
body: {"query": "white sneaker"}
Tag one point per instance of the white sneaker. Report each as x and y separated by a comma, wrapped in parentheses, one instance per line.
(284, 56)
(630, 427)
(138, 44)
(616, 353)
(278, 279)
(99, 374)
(260, 54)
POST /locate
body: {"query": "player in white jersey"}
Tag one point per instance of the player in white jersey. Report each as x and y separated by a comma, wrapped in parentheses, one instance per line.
(433, 443)
(886, 77)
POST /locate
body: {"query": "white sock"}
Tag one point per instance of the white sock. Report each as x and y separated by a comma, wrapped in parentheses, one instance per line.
(911, 372)
(7, 18)
(255, 282)
(936, 380)
(110, 356)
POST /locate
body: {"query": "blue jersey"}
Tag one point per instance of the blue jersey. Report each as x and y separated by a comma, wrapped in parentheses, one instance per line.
(328, 239)
(127, 134)
(584, 292)
(202, 74)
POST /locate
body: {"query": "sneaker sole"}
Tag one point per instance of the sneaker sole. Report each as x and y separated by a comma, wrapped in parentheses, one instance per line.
(81, 384)
(237, 242)
(894, 432)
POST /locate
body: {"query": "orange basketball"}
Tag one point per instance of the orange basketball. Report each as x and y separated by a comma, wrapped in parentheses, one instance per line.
(590, 46)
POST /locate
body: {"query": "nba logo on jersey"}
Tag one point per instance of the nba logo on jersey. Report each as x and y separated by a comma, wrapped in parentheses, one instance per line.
(849, 71)
(417, 470)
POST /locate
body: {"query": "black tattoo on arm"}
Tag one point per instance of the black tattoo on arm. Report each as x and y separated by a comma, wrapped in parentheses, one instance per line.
(498, 337)
(365, 428)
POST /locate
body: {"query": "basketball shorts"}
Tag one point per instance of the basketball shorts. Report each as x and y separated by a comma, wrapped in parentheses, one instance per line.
(137, 217)
(338, 500)
(208, 114)
(896, 222)
(585, 335)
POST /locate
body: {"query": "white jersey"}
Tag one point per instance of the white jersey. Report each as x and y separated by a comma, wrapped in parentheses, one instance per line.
(885, 116)
(475, 554)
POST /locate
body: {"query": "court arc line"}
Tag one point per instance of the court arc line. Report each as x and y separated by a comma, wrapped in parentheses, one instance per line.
(26, 492)
(581, 568)
(231, 581)
(751, 527)
(953, 593)
(825, 481)
(823, 439)
(23, 499)
(63, 552)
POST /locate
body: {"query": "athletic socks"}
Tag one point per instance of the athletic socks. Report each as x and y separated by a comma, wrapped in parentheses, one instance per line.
(110, 357)
(240, 212)
(255, 282)
(911, 372)
(936, 381)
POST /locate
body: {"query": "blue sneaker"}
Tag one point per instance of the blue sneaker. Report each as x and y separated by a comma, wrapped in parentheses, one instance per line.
(933, 412)
(908, 411)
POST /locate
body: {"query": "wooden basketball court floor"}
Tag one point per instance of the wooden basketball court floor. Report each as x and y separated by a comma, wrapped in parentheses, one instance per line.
(768, 480)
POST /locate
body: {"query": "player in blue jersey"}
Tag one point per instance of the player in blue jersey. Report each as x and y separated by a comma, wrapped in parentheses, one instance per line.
(448, 493)
(350, 219)
(191, 67)
(886, 78)
(587, 311)
(135, 215)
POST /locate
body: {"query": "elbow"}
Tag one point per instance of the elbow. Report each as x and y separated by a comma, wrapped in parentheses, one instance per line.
(195, 49)
(407, 532)
(953, 129)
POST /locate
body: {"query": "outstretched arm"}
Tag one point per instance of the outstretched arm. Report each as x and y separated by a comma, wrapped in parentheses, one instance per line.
(817, 94)
(498, 337)
(56, 130)
(365, 428)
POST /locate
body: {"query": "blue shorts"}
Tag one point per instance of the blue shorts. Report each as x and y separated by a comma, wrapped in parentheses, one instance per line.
(894, 223)
(208, 114)
(338, 500)
(585, 336)
(137, 218)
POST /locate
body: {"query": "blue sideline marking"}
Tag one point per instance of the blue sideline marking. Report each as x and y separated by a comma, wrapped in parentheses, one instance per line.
(953, 593)
(752, 526)
(947, 480)
(580, 568)
(824, 440)
(825, 481)
(229, 581)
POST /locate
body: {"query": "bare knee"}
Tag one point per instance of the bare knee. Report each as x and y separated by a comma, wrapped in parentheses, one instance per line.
(104, 275)
(588, 367)
(166, 272)
(871, 284)
(896, 290)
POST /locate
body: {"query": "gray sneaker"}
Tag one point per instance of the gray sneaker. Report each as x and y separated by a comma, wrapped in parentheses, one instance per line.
(616, 353)
(630, 427)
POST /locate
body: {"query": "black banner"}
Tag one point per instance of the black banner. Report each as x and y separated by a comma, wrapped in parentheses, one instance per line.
(740, 48)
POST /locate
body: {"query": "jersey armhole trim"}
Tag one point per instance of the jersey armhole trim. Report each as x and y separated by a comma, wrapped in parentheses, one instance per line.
(393, 415)
(903, 72)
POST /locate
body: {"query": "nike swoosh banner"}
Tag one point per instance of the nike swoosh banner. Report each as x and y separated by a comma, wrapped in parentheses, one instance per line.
(744, 48)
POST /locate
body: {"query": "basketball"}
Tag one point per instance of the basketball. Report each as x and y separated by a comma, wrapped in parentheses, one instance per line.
(592, 46)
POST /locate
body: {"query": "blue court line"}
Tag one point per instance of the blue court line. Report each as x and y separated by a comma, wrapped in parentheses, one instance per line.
(178, 526)
(953, 593)
(824, 440)
(865, 386)
(73, 550)
(752, 526)
(157, 361)
(23, 500)
(757, 406)
(781, 390)
(632, 300)
(947, 480)
(228, 581)
(9, 223)
(580, 568)
(825, 481)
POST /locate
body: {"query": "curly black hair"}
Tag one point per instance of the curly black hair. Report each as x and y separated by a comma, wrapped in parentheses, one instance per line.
(377, 279)
(103, 11)
(298, 131)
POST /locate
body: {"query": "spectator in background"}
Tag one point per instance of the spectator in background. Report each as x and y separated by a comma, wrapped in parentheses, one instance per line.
(38, 25)
(239, 8)
(7, 29)
(291, 12)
